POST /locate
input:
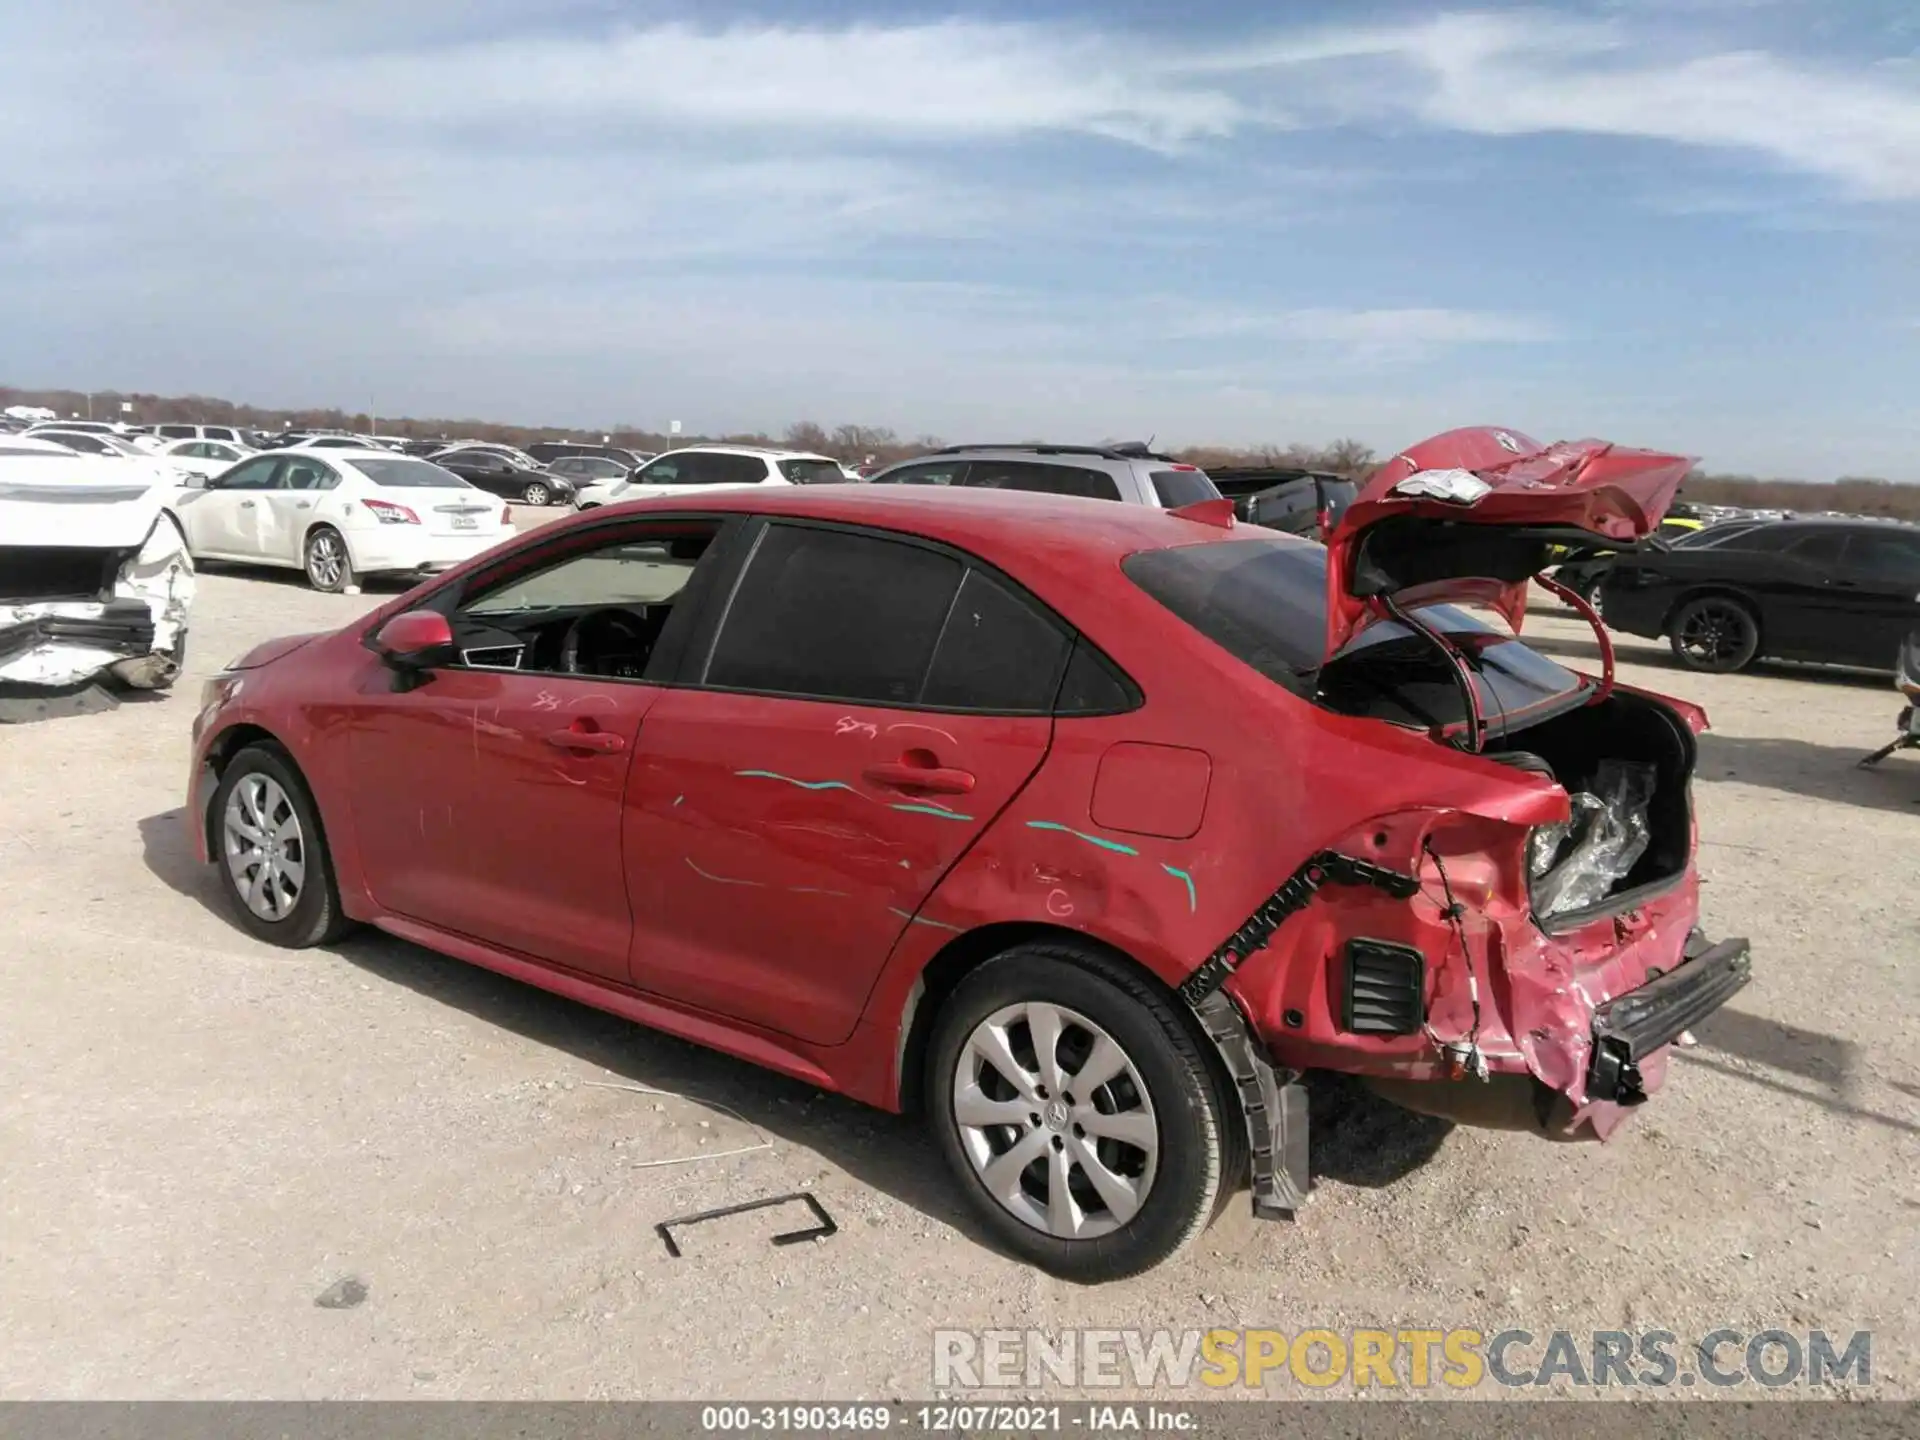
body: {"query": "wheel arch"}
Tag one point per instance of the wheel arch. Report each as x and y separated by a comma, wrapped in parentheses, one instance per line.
(964, 954)
(1714, 590)
(219, 754)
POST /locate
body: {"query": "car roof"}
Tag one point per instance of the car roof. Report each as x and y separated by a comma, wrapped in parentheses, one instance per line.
(763, 451)
(988, 523)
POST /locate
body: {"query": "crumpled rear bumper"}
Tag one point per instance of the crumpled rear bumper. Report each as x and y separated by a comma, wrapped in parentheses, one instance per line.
(135, 631)
(1630, 1027)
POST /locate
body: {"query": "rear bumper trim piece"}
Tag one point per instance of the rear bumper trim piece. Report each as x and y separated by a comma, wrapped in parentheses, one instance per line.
(1632, 1026)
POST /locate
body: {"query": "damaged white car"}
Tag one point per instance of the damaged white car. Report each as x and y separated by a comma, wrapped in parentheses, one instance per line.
(95, 581)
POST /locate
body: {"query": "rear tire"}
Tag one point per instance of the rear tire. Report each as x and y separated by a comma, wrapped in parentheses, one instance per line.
(1714, 634)
(271, 851)
(1129, 1150)
(536, 494)
(329, 566)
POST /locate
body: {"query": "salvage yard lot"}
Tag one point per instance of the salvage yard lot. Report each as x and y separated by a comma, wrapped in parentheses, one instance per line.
(204, 1134)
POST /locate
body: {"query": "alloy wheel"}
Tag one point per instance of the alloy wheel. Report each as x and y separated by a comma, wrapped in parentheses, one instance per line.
(1056, 1120)
(536, 495)
(1714, 635)
(326, 559)
(266, 851)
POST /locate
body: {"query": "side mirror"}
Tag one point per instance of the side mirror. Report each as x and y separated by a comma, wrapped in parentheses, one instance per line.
(415, 640)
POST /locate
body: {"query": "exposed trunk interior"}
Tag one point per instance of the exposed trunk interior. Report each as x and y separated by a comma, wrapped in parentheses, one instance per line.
(1627, 728)
(38, 573)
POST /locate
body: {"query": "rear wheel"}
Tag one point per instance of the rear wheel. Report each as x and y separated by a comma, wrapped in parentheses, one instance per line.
(1077, 1112)
(1715, 633)
(329, 567)
(274, 867)
(536, 494)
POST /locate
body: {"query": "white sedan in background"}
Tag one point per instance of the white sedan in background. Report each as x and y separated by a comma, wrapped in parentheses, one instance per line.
(205, 458)
(338, 515)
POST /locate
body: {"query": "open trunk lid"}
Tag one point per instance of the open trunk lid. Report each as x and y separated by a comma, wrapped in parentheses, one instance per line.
(1472, 515)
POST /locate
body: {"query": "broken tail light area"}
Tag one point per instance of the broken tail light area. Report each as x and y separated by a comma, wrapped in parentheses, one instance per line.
(1449, 988)
(121, 612)
(388, 513)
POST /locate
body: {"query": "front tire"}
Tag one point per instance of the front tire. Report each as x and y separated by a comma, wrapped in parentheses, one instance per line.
(1076, 1109)
(272, 852)
(329, 566)
(1714, 634)
(536, 494)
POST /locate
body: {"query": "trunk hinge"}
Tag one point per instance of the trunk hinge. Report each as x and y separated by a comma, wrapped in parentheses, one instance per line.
(1567, 595)
(1456, 662)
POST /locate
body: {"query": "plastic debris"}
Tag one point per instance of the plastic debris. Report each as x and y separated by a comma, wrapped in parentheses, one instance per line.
(1579, 861)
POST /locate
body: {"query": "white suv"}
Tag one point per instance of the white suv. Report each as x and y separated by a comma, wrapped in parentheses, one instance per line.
(714, 465)
(222, 434)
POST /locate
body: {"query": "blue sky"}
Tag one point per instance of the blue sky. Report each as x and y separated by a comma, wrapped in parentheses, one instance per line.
(1683, 223)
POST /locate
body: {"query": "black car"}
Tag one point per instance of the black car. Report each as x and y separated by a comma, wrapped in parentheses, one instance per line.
(1583, 575)
(498, 475)
(1839, 592)
(584, 470)
(1299, 502)
(547, 451)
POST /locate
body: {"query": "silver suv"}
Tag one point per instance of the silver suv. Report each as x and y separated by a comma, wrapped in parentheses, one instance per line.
(1131, 474)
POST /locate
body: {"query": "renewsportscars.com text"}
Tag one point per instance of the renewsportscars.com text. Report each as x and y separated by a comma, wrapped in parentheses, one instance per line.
(1408, 1359)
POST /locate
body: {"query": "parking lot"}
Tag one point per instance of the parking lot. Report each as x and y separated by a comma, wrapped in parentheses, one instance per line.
(207, 1135)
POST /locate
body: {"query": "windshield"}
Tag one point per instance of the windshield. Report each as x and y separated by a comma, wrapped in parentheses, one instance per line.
(812, 472)
(1265, 602)
(403, 474)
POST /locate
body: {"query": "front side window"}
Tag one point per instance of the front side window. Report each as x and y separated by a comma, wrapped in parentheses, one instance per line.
(834, 615)
(667, 470)
(598, 613)
(254, 475)
(1822, 548)
(175, 432)
(1043, 479)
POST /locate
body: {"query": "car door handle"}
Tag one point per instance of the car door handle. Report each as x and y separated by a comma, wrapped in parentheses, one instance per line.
(932, 779)
(303, 504)
(601, 742)
(246, 504)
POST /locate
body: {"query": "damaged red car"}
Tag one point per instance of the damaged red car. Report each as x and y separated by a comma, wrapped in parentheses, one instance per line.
(1085, 829)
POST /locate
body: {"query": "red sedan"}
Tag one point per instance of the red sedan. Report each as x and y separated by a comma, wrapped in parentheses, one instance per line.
(1087, 828)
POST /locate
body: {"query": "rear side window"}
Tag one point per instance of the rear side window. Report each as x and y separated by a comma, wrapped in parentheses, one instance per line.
(833, 615)
(1044, 479)
(731, 470)
(1092, 686)
(1175, 488)
(939, 472)
(812, 472)
(175, 432)
(997, 652)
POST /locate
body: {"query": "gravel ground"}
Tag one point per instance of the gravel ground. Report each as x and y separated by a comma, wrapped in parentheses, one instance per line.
(212, 1147)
